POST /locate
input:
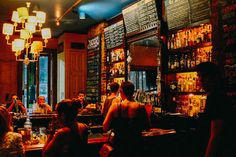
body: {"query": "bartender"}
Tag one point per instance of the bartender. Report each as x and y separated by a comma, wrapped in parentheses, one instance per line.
(15, 105)
(41, 106)
(81, 99)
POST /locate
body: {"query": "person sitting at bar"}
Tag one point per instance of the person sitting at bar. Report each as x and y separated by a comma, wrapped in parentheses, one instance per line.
(112, 98)
(72, 138)
(41, 106)
(81, 98)
(127, 119)
(11, 144)
(219, 112)
(15, 105)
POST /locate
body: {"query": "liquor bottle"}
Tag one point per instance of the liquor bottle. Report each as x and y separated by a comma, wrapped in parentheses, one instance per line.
(176, 62)
(193, 60)
(182, 61)
(28, 130)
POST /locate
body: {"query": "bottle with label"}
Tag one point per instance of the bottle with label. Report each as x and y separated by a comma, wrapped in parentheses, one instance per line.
(28, 130)
(34, 107)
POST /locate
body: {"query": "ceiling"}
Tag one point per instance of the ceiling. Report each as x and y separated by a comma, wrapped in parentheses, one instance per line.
(67, 10)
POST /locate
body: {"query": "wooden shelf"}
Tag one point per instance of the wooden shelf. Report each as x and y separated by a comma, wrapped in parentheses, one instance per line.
(187, 93)
(189, 48)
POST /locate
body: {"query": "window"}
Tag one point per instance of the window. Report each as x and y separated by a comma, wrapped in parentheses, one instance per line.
(30, 81)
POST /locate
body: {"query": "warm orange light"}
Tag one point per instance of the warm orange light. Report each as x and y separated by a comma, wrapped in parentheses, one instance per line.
(24, 34)
(30, 27)
(41, 16)
(46, 33)
(32, 19)
(7, 29)
(26, 26)
(36, 47)
(18, 45)
(23, 13)
(15, 17)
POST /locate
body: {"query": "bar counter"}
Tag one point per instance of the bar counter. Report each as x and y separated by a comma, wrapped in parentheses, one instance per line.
(96, 140)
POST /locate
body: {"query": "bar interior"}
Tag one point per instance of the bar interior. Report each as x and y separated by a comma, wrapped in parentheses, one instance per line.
(51, 51)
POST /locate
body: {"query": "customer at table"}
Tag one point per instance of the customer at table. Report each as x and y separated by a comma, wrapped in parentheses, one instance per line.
(218, 111)
(81, 98)
(71, 139)
(112, 98)
(41, 106)
(128, 119)
(11, 144)
(15, 105)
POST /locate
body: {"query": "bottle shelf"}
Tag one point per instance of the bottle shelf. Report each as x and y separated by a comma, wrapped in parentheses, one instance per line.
(118, 76)
(190, 48)
(181, 71)
(118, 61)
(187, 93)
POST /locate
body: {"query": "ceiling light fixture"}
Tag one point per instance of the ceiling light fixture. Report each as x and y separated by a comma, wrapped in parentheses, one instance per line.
(27, 50)
(67, 11)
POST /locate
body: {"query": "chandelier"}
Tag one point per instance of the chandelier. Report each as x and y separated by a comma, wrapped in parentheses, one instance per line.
(25, 26)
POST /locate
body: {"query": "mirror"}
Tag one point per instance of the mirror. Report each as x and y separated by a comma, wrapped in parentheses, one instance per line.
(144, 64)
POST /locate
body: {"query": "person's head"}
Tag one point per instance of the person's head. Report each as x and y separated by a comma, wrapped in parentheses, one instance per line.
(127, 90)
(77, 103)
(114, 87)
(41, 100)
(14, 97)
(81, 96)
(5, 121)
(209, 75)
(67, 111)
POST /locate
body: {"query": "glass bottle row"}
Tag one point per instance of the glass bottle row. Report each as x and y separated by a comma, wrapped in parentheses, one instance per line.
(189, 60)
(190, 37)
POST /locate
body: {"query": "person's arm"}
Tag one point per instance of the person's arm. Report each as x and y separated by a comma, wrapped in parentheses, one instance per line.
(109, 116)
(11, 107)
(83, 129)
(216, 126)
(20, 104)
(48, 108)
(144, 118)
(53, 144)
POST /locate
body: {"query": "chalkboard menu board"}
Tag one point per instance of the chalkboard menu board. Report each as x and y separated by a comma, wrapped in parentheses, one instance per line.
(114, 35)
(200, 10)
(140, 17)
(182, 13)
(228, 14)
(177, 13)
(93, 70)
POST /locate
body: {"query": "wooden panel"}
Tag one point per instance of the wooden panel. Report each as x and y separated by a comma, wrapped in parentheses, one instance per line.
(77, 74)
(8, 71)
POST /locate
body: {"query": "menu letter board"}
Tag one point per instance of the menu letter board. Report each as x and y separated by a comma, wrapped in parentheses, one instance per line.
(93, 70)
(140, 17)
(114, 35)
(178, 12)
(182, 13)
(200, 10)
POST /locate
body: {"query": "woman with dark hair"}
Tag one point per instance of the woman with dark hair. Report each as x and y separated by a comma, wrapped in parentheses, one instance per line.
(72, 138)
(128, 119)
(11, 144)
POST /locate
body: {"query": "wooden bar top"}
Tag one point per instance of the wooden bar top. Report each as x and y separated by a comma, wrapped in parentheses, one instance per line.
(100, 138)
(34, 147)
